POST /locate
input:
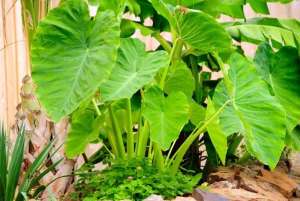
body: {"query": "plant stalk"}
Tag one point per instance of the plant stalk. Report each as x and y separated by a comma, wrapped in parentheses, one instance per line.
(163, 42)
(178, 156)
(130, 136)
(118, 134)
(227, 81)
(143, 139)
(175, 55)
(158, 157)
(195, 71)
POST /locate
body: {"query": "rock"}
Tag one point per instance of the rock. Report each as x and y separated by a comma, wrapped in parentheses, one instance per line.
(246, 184)
(200, 195)
(281, 181)
(154, 198)
(184, 199)
(244, 195)
(295, 163)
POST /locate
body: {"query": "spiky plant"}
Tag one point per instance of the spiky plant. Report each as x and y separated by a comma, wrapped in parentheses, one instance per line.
(11, 186)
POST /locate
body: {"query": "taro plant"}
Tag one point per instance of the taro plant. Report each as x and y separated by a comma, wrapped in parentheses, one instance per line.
(11, 170)
(155, 105)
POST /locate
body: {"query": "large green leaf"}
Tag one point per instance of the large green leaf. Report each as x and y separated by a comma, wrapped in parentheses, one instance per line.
(202, 32)
(259, 6)
(72, 55)
(282, 71)
(216, 134)
(165, 10)
(84, 129)
(180, 78)
(166, 115)
(135, 67)
(280, 32)
(197, 113)
(253, 111)
(233, 8)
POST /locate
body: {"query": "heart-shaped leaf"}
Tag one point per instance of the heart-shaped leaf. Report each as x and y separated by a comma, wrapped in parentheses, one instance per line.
(202, 32)
(72, 55)
(166, 115)
(282, 72)
(252, 111)
(135, 67)
(197, 113)
(84, 129)
(180, 78)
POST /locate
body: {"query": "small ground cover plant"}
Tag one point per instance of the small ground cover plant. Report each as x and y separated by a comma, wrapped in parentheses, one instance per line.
(154, 105)
(131, 180)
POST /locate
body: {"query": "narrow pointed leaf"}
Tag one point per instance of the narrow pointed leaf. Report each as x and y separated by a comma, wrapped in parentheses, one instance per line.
(72, 55)
(14, 167)
(37, 163)
(166, 115)
(3, 161)
(135, 68)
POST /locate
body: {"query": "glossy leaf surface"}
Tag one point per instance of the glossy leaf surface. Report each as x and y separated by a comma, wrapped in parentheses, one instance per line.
(282, 71)
(202, 32)
(252, 111)
(166, 115)
(135, 67)
(72, 55)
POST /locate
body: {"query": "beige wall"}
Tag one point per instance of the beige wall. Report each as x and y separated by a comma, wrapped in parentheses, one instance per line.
(13, 54)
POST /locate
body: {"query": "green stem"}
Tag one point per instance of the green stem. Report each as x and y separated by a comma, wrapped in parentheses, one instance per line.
(112, 141)
(118, 133)
(130, 136)
(111, 138)
(169, 153)
(96, 107)
(175, 55)
(163, 42)
(178, 156)
(158, 157)
(107, 149)
(195, 71)
(227, 81)
(143, 139)
(150, 156)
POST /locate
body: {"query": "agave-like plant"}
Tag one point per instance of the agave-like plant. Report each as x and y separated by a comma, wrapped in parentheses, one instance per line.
(11, 188)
